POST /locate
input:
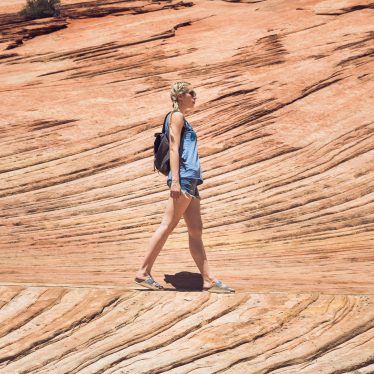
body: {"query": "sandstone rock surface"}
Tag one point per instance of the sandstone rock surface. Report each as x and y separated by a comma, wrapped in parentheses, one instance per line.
(86, 330)
(284, 119)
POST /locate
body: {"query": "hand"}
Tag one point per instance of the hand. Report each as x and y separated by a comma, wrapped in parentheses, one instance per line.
(175, 190)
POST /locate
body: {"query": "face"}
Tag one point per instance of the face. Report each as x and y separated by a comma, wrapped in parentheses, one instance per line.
(188, 99)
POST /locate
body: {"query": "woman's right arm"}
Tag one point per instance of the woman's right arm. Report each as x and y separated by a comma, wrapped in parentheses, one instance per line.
(176, 124)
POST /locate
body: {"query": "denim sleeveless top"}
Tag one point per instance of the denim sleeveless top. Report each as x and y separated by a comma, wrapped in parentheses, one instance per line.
(189, 163)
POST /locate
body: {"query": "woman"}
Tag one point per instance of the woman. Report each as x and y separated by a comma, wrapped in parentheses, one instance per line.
(184, 200)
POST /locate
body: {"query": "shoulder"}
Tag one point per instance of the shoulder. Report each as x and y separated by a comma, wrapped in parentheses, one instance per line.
(178, 116)
(177, 119)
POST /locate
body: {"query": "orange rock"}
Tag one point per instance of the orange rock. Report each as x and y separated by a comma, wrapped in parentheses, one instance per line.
(284, 125)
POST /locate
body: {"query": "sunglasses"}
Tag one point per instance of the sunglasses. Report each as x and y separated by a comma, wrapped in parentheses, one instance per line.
(192, 93)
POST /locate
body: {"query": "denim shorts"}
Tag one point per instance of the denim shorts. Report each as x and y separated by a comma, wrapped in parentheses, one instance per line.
(188, 187)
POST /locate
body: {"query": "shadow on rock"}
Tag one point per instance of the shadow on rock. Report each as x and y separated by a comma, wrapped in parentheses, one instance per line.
(185, 281)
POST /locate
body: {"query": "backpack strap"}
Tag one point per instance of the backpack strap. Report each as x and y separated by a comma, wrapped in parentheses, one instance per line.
(163, 126)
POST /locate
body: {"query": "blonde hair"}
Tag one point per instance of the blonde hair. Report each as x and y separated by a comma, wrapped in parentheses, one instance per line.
(178, 88)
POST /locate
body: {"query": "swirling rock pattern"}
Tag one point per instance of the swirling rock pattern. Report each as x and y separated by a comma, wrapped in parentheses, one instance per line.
(284, 119)
(85, 330)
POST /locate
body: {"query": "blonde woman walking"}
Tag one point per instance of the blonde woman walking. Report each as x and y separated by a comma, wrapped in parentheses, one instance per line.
(184, 200)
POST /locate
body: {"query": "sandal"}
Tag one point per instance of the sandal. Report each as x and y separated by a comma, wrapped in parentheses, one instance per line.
(218, 287)
(149, 283)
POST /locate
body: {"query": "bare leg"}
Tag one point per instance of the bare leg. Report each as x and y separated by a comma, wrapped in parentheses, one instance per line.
(174, 210)
(192, 217)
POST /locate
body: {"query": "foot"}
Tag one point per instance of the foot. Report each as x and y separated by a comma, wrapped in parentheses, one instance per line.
(218, 287)
(149, 283)
(208, 282)
(141, 276)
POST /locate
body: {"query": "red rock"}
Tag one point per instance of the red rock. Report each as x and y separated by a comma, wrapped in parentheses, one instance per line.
(284, 125)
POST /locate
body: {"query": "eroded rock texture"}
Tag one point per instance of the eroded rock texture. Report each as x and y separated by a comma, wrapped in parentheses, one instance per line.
(83, 330)
(284, 119)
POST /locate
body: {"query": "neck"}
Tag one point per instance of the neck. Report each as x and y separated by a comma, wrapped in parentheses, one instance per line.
(183, 110)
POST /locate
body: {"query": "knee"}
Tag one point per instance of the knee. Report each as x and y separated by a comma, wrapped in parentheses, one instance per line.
(195, 231)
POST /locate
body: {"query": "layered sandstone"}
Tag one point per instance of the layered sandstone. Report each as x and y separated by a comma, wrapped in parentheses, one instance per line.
(86, 330)
(284, 118)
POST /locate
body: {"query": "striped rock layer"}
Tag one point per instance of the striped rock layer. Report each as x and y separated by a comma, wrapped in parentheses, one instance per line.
(284, 119)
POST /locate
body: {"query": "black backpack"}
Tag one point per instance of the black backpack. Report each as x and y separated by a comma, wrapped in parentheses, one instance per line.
(161, 153)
